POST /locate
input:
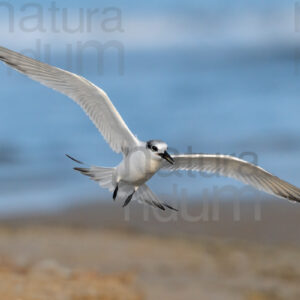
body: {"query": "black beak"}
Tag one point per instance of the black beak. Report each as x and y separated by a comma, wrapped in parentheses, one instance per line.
(167, 157)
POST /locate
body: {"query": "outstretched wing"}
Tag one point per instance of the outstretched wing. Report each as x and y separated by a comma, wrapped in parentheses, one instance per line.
(238, 169)
(145, 195)
(91, 98)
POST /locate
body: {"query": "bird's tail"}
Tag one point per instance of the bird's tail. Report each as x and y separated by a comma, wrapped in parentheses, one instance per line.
(104, 176)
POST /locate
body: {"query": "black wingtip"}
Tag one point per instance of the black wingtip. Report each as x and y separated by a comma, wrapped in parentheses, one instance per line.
(158, 205)
(74, 159)
(170, 207)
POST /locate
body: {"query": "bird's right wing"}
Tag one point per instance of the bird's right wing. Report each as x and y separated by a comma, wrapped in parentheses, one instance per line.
(91, 98)
(238, 169)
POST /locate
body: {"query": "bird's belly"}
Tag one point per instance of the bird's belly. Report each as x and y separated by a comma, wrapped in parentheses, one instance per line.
(137, 168)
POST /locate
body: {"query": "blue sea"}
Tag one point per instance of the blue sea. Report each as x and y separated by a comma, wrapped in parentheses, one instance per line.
(229, 93)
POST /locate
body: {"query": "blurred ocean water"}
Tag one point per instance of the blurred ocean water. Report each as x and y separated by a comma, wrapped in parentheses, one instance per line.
(228, 94)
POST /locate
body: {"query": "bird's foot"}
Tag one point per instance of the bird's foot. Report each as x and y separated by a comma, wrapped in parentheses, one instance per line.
(115, 192)
(128, 199)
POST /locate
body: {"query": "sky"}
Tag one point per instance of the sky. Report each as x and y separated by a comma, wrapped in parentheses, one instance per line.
(205, 76)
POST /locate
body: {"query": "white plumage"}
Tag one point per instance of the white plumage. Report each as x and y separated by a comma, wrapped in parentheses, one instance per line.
(91, 98)
(238, 169)
(140, 160)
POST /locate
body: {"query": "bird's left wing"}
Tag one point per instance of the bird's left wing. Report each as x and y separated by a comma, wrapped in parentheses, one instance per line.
(238, 169)
(91, 98)
(145, 195)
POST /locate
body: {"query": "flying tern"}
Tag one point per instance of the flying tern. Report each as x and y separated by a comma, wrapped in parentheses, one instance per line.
(141, 160)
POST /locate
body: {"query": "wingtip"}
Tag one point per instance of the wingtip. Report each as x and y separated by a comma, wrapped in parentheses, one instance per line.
(170, 207)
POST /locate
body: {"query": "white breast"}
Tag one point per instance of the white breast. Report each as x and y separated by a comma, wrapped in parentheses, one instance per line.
(138, 167)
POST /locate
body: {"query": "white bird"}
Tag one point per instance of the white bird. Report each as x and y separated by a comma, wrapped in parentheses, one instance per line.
(141, 160)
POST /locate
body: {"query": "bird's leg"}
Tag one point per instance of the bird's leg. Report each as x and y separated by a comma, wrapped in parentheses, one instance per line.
(129, 198)
(115, 192)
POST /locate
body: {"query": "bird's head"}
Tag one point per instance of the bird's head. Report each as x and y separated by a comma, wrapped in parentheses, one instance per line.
(159, 149)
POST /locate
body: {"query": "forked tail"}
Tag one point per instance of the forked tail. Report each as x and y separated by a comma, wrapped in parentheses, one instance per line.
(104, 176)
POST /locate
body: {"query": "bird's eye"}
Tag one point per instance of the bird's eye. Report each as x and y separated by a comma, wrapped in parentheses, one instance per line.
(154, 148)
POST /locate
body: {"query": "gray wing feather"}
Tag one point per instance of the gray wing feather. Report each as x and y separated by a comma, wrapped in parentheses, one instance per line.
(91, 98)
(238, 169)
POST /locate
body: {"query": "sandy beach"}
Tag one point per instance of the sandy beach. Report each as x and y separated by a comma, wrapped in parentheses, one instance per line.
(85, 253)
